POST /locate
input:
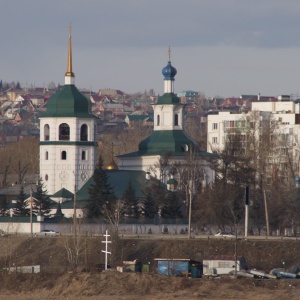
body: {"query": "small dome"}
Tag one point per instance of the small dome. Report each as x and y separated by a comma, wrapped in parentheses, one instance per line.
(169, 72)
(112, 166)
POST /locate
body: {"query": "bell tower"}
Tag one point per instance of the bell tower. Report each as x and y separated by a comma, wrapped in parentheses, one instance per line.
(68, 147)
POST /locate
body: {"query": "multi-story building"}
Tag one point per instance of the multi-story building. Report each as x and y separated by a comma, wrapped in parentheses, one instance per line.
(282, 119)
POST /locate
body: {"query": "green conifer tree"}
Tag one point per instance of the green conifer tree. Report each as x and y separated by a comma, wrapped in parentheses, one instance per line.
(172, 207)
(21, 210)
(150, 208)
(102, 197)
(131, 205)
(42, 201)
(18, 86)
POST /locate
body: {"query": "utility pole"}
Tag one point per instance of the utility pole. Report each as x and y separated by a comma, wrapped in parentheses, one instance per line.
(235, 251)
(266, 211)
(31, 231)
(190, 207)
(265, 204)
(246, 211)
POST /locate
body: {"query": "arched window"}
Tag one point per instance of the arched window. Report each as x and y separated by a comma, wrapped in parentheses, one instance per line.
(83, 155)
(46, 132)
(158, 120)
(63, 155)
(64, 132)
(46, 155)
(176, 119)
(84, 132)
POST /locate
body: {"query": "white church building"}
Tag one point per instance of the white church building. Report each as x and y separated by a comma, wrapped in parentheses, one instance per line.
(168, 135)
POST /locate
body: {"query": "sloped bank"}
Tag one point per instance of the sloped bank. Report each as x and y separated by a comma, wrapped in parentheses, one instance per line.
(51, 252)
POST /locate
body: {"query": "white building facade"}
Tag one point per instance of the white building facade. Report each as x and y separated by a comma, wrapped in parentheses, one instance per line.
(284, 114)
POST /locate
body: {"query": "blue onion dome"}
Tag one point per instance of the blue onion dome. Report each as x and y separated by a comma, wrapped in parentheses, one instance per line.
(169, 71)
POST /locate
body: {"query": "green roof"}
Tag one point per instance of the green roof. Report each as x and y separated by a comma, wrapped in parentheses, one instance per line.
(63, 193)
(118, 179)
(68, 102)
(160, 142)
(168, 98)
(8, 219)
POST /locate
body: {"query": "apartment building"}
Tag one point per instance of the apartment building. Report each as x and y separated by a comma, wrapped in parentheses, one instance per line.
(283, 119)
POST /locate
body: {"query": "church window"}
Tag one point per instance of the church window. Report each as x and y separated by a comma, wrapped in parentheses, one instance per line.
(176, 119)
(46, 132)
(46, 155)
(63, 155)
(84, 132)
(46, 177)
(158, 120)
(64, 132)
(83, 155)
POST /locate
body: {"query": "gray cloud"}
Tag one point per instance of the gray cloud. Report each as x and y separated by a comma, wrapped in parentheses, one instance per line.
(123, 43)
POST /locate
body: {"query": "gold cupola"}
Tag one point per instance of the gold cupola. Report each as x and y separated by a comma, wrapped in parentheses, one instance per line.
(112, 165)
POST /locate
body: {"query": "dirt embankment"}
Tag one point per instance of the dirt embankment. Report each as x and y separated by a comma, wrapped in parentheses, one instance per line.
(111, 285)
(52, 252)
(56, 283)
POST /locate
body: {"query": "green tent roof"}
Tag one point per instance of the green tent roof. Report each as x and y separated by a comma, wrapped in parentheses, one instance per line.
(160, 142)
(63, 193)
(168, 98)
(68, 102)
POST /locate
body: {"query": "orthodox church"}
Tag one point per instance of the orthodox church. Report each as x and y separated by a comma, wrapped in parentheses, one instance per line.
(68, 144)
(168, 135)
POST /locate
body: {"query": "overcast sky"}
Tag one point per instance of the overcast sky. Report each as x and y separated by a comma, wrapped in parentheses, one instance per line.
(219, 47)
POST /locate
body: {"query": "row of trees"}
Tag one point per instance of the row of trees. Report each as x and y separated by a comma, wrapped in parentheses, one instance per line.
(40, 202)
(157, 200)
(5, 85)
(256, 154)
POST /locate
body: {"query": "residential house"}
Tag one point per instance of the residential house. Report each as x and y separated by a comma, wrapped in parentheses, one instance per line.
(133, 119)
(112, 93)
(96, 99)
(232, 104)
(188, 96)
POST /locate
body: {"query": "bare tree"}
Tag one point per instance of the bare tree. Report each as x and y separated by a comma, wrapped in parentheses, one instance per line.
(21, 171)
(163, 165)
(74, 247)
(114, 216)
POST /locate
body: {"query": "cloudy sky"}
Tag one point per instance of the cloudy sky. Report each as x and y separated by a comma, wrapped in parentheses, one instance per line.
(219, 47)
